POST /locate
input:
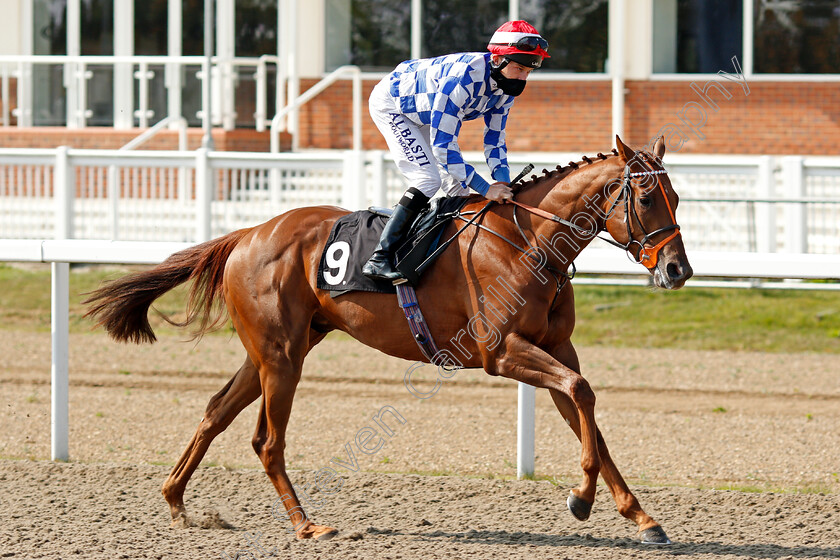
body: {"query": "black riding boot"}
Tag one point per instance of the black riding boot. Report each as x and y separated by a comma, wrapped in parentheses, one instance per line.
(379, 265)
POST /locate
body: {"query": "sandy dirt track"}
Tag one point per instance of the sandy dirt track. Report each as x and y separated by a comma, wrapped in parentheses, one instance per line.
(678, 423)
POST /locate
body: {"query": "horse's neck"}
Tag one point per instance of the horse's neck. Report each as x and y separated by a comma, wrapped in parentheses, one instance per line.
(580, 197)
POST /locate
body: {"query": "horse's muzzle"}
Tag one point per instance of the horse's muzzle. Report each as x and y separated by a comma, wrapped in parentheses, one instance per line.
(672, 275)
(672, 269)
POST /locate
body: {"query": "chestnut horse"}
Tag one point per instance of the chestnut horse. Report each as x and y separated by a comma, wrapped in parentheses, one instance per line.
(266, 278)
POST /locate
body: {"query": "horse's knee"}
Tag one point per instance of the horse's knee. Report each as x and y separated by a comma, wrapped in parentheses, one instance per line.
(271, 453)
(257, 442)
(581, 393)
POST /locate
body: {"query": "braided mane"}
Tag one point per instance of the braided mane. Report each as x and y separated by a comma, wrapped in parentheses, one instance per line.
(562, 171)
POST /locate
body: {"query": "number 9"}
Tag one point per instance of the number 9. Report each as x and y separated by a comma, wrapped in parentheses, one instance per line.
(337, 256)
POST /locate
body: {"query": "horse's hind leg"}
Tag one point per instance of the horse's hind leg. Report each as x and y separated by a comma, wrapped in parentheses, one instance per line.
(224, 406)
(279, 381)
(628, 506)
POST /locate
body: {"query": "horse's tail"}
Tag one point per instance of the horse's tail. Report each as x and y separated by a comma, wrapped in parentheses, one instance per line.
(122, 305)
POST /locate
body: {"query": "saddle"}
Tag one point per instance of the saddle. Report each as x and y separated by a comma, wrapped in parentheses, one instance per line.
(354, 237)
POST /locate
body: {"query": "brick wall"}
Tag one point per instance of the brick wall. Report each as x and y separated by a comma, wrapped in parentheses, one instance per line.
(775, 118)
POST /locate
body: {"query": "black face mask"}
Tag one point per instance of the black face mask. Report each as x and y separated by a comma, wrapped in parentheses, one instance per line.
(508, 85)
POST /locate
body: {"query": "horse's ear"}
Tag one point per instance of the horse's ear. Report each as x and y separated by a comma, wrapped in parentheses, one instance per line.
(624, 151)
(659, 147)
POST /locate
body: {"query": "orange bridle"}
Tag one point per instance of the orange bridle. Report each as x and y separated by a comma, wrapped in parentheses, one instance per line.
(648, 256)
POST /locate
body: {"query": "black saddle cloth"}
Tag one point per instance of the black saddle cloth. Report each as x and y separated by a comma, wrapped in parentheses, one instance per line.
(354, 237)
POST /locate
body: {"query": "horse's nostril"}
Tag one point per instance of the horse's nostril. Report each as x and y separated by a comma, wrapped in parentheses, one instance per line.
(673, 271)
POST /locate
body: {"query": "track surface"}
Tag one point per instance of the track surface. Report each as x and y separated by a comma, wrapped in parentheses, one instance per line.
(678, 423)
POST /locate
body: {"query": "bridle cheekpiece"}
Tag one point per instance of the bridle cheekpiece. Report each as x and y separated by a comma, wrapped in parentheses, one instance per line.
(647, 255)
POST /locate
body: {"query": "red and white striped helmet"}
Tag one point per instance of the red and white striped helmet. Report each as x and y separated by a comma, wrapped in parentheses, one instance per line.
(520, 42)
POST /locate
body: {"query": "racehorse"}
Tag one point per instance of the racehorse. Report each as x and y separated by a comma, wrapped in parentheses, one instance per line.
(266, 278)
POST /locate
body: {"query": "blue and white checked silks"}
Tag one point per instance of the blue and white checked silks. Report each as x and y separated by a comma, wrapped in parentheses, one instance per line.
(419, 109)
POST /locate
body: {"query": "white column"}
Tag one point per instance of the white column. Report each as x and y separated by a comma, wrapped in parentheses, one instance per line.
(416, 28)
(123, 73)
(24, 71)
(616, 52)
(283, 59)
(71, 70)
(173, 72)
(294, 78)
(223, 96)
(525, 430)
(747, 39)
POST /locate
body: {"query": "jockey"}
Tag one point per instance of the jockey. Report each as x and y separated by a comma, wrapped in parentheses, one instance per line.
(419, 108)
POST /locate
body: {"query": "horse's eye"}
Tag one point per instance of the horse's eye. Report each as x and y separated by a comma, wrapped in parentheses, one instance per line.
(646, 202)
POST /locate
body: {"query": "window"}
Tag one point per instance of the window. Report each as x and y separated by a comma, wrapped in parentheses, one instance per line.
(376, 34)
(797, 36)
(372, 34)
(789, 36)
(576, 31)
(49, 37)
(465, 26)
(256, 35)
(696, 36)
(256, 27)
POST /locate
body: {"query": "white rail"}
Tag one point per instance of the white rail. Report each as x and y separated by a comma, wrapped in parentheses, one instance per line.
(278, 124)
(141, 70)
(61, 252)
(733, 204)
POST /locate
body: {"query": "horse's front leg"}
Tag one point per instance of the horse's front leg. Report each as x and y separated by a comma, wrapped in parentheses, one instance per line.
(521, 360)
(628, 506)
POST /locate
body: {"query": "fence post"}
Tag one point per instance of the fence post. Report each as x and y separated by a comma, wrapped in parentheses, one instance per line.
(353, 195)
(23, 112)
(765, 213)
(64, 190)
(114, 201)
(525, 430)
(203, 195)
(380, 185)
(796, 227)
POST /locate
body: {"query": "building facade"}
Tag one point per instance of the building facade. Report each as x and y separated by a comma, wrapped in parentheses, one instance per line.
(712, 76)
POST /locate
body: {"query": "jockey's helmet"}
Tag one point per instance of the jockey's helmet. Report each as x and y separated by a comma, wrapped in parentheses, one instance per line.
(520, 42)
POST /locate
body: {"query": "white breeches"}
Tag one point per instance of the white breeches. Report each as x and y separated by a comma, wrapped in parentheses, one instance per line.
(410, 146)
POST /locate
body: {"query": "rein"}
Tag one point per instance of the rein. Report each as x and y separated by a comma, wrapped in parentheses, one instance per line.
(647, 255)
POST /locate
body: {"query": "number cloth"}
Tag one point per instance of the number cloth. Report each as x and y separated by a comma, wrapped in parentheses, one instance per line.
(354, 236)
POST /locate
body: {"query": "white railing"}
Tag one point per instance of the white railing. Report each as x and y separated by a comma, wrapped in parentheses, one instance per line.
(139, 71)
(731, 204)
(278, 122)
(60, 253)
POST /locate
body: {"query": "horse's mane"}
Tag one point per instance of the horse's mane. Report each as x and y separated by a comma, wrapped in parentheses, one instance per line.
(562, 171)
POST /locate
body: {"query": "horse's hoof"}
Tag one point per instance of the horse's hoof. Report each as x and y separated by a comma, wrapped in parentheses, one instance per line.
(654, 535)
(317, 532)
(578, 507)
(327, 536)
(181, 521)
